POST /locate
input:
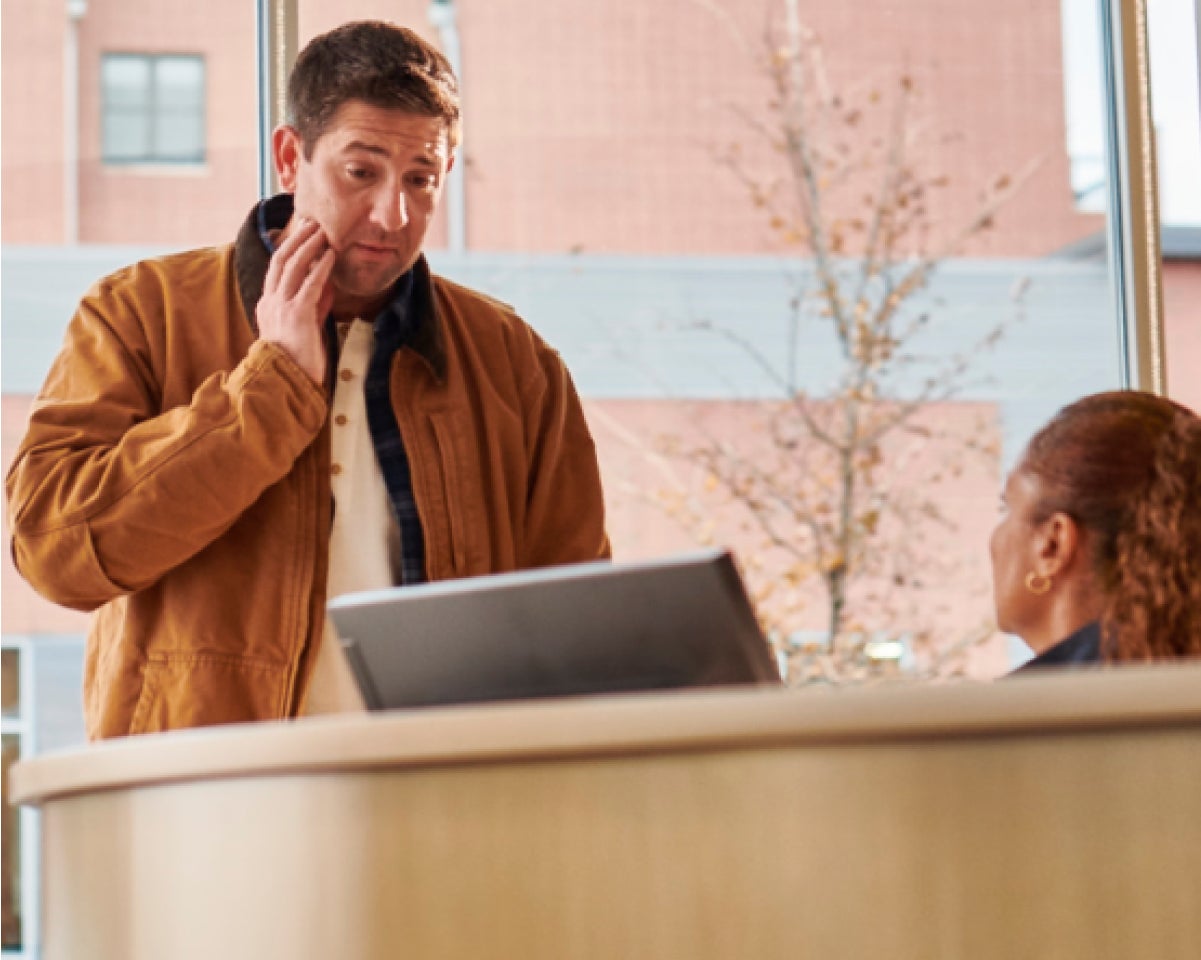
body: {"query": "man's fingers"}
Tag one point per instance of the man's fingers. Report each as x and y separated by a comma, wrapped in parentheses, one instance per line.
(314, 285)
(298, 266)
(295, 321)
(286, 252)
(282, 252)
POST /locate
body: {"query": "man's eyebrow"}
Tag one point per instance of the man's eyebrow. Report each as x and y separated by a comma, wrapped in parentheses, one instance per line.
(365, 147)
(422, 159)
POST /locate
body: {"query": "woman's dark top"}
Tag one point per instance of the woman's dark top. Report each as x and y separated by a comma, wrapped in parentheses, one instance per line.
(1083, 646)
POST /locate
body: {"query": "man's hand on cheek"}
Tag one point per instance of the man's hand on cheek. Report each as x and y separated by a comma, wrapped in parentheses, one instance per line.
(297, 296)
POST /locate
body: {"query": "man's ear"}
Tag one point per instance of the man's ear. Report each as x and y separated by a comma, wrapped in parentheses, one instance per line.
(1057, 544)
(287, 150)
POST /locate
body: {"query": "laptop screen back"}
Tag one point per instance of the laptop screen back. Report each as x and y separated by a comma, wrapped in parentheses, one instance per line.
(586, 628)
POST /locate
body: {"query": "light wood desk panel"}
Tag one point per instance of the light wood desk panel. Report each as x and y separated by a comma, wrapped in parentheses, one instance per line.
(1051, 817)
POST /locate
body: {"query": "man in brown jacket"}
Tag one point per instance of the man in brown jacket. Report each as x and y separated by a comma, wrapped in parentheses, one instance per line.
(230, 436)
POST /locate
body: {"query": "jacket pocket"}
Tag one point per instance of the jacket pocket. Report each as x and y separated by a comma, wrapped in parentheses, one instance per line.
(462, 492)
(197, 690)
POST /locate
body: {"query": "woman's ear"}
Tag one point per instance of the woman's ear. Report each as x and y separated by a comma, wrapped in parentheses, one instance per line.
(1057, 542)
(287, 150)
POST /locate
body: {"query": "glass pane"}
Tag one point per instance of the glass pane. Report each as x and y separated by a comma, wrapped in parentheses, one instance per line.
(126, 135)
(179, 83)
(126, 93)
(1173, 38)
(11, 926)
(179, 109)
(1084, 113)
(637, 190)
(179, 135)
(762, 234)
(10, 679)
(126, 81)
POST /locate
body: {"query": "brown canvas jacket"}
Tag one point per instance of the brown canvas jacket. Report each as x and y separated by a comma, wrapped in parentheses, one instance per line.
(174, 478)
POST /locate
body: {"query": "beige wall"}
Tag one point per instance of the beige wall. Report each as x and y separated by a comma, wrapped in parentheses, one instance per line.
(31, 128)
(591, 126)
(1182, 330)
(166, 204)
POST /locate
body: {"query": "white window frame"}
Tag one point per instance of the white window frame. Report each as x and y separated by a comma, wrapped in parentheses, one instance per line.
(23, 726)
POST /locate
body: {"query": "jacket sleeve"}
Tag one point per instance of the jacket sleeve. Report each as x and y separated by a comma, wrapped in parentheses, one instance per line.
(565, 508)
(107, 492)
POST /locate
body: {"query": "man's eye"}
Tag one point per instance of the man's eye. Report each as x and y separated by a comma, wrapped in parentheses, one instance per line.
(358, 173)
(423, 181)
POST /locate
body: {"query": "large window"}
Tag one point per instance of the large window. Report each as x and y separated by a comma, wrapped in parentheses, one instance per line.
(153, 108)
(626, 181)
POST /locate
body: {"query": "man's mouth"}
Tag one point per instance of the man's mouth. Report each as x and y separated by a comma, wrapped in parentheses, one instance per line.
(375, 250)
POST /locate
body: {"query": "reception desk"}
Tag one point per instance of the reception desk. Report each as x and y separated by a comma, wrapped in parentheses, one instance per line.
(1034, 817)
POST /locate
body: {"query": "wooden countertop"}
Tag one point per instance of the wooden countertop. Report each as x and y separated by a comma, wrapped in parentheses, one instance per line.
(745, 718)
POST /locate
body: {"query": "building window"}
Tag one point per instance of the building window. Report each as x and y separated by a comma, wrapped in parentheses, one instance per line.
(153, 108)
(41, 681)
(19, 860)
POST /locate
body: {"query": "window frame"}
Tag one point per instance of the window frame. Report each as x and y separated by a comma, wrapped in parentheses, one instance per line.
(23, 727)
(151, 158)
(1132, 226)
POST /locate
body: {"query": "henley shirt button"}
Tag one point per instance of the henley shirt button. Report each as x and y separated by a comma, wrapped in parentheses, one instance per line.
(336, 469)
(340, 419)
(346, 375)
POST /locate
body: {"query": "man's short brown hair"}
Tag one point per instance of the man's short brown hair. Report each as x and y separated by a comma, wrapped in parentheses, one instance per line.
(378, 63)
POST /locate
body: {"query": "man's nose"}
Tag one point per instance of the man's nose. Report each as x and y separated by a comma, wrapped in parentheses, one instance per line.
(390, 209)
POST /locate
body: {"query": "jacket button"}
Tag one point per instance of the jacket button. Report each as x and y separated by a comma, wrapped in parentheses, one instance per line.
(340, 419)
(336, 469)
(346, 375)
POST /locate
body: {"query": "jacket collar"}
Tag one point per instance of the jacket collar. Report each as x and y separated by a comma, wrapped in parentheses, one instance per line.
(250, 267)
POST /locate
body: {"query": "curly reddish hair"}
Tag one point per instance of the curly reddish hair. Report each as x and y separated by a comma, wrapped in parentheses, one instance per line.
(1126, 466)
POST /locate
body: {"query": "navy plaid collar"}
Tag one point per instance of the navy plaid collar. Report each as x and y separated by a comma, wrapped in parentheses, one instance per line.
(272, 215)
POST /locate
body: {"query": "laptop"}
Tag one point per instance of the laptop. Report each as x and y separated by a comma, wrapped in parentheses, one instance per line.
(587, 628)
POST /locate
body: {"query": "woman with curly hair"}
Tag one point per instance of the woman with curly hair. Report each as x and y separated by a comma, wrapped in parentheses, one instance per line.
(1098, 554)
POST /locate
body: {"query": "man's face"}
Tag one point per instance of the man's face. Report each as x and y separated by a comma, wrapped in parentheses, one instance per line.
(373, 184)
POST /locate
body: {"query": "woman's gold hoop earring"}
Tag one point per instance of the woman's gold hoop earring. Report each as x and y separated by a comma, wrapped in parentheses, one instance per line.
(1036, 584)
